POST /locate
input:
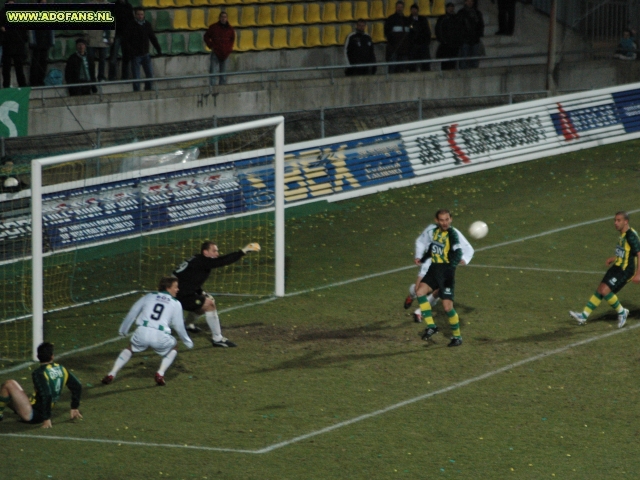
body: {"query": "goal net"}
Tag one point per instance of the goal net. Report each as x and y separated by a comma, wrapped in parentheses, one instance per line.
(108, 223)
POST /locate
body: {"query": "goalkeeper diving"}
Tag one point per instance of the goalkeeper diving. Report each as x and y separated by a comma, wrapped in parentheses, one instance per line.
(192, 274)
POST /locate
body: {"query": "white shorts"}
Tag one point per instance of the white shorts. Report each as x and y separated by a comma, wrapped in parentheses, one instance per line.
(146, 337)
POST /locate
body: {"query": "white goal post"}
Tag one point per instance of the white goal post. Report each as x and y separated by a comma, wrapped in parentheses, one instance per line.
(37, 192)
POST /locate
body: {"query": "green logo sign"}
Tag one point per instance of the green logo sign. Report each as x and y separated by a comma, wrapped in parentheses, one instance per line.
(14, 112)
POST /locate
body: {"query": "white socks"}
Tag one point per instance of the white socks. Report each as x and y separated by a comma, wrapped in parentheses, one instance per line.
(432, 300)
(167, 361)
(121, 361)
(214, 324)
(412, 290)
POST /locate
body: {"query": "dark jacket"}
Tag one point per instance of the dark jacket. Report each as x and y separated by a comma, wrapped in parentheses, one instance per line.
(41, 39)
(123, 13)
(220, 38)
(448, 31)
(138, 39)
(396, 30)
(15, 42)
(472, 25)
(72, 74)
(420, 31)
(358, 48)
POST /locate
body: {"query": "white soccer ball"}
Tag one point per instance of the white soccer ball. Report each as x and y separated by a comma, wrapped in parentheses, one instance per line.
(11, 182)
(478, 230)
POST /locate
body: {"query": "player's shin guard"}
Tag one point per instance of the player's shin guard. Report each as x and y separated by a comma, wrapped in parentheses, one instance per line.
(121, 361)
(214, 324)
(612, 299)
(167, 360)
(454, 321)
(592, 304)
(425, 308)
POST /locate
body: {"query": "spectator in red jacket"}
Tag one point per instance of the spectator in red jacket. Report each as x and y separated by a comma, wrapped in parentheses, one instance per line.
(220, 37)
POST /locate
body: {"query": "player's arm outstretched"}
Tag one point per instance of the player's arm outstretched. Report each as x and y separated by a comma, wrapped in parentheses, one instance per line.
(74, 385)
(177, 323)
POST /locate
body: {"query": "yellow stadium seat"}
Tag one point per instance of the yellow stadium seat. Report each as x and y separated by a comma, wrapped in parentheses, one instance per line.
(313, 13)
(345, 12)
(377, 32)
(200, 3)
(166, 3)
(263, 41)
(244, 41)
(180, 21)
(183, 3)
(297, 14)
(329, 13)
(313, 37)
(232, 2)
(248, 17)
(232, 16)
(196, 22)
(329, 36)
(216, 2)
(296, 39)
(280, 38)
(438, 8)
(377, 10)
(345, 30)
(424, 7)
(264, 16)
(281, 15)
(213, 15)
(361, 11)
(149, 3)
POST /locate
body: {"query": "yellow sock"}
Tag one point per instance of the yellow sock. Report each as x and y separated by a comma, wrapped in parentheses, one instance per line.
(425, 309)
(454, 321)
(612, 299)
(592, 304)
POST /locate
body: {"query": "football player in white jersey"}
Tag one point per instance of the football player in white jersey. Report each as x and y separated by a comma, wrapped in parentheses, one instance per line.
(154, 314)
(423, 243)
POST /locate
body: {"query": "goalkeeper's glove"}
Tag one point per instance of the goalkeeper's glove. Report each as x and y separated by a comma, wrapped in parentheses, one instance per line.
(252, 247)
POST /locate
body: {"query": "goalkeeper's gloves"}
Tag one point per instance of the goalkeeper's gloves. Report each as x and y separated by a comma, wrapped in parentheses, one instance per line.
(252, 247)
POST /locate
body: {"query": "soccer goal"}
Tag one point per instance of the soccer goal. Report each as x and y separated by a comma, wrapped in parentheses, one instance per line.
(108, 223)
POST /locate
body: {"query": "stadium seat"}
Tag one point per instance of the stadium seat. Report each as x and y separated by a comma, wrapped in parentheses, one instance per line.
(217, 2)
(57, 52)
(178, 46)
(297, 14)
(264, 16)
(166, 3)
(345, 12)
(200, 3)
(213, 14)
(232, 16)
(163, 40)
(281, 16)
(244, 41)
(377, 10)
(296, 38)
(232, 2)
(263, 39)
(134, 3)
(329, 13)
(313, 13)
(163, 20)
(424, 7)
(180, 20)
(182, 3)
(438, 8)
(361, 11)
(280, 38)
(345, 30)
(196, 43)
(196, 20)
(313, 37)
(149, 3)
(148, 16)
(377, 32)
(248, 17)
(329, 36)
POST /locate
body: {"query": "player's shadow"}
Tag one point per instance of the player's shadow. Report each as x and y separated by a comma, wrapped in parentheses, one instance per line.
(371, 330)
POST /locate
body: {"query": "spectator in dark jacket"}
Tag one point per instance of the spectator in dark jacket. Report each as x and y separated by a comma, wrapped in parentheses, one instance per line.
(396, 31)
(219, 37)
(472, 25)
(419, 39)
(14, 50)
(506, 17)
(138, 39)
(123, 13)
(358, 48)
(448, 34)
(79, 70)
(40, 42)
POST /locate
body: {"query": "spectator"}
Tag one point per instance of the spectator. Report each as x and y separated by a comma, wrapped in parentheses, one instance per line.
(40, 42)
(472, 25)
(99, 43)
(358, 49)
(396, 31)
(627, 47)
(77, 70)
(9, 181)
(219, 37)
(123, 13)
(419, 39)
(140, 34)
(448, 34)
(14, 50)
(506, 17)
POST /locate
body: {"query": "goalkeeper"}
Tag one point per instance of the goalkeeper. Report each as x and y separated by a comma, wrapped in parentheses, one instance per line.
(192, 274)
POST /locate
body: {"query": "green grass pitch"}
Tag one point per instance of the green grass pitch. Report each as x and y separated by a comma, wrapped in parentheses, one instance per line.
(333, 381)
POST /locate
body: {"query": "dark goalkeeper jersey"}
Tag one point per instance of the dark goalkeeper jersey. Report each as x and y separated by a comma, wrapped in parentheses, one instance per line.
(48, 381)
(627, 250)
(194, 272)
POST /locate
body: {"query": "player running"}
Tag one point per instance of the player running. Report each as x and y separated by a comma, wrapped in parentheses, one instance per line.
(192, 274)
(623, 268)
(154, 314)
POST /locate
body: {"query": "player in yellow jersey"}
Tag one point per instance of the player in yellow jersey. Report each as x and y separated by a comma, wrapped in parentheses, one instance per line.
(622, 269)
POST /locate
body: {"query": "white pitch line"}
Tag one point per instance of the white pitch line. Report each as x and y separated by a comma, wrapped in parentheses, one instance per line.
(536, 269)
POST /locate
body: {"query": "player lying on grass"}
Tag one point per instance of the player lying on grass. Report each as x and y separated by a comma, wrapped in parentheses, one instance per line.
(423, 259)
(48, 380)
(154, 314)
(193, 273)
(622, 269)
